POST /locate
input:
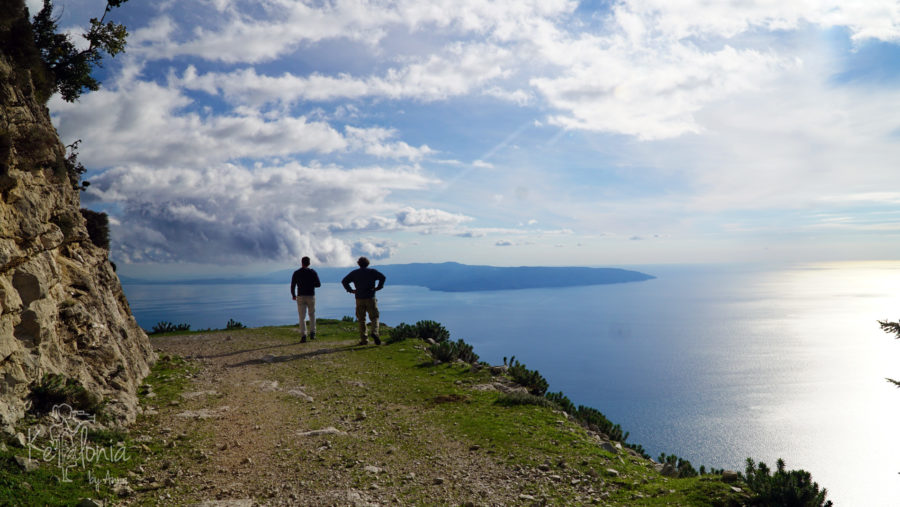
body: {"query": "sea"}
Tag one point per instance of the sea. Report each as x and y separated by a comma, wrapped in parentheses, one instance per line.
(712, 363)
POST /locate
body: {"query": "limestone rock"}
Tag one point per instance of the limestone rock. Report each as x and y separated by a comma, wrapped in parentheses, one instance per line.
(669, 470)
(28, 465)
(609, 447)
(331, 430)
(300, 394)
(62, 309)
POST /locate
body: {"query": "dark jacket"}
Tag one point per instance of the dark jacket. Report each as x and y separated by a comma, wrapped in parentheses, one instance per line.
(306, 280)
(364, 279)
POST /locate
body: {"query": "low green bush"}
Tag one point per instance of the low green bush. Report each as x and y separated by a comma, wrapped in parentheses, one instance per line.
(233, 324)
(515, 398)
(529, 379)
(401, 332)
(167, 327)
(54, 389)
(426, 329)
(788, 488)
(97, 226)
(684, 467)
(448, 351)
(588, 417)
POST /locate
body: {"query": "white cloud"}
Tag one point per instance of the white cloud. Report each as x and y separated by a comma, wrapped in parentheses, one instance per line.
(640, 82)
(279, 27)
(145, 123)
(460, 69)
(34, 6)
(412, 217)
(878, 19)
(372, 141)
(232, 214)
(730, 102)
(373, 249)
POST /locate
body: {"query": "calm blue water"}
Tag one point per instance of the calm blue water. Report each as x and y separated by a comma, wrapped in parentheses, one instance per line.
(714, 364)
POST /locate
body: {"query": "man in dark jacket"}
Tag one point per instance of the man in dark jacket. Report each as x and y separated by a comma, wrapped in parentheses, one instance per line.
(306, 280)
(364, 280)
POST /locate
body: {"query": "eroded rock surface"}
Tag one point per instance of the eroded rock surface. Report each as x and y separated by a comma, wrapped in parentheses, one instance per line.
(62, 309)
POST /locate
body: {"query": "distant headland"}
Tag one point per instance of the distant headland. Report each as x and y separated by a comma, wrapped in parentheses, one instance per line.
(451, 277)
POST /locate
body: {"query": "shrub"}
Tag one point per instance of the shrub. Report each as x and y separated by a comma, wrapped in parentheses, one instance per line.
(595, 420)
(401, 332)
(168, 327)
(791, 488)
(443, 352)
(590, 418)
(447, 351)
(66, 223)
(233, 324)
(426, 329)
(347, 318)
(97, 226)
(466, 352)
(529, 379)
(514, 398)
(73, 168)
(684, 467)
(55, 389)
(423, 329)
(891, 328)
(638, 448)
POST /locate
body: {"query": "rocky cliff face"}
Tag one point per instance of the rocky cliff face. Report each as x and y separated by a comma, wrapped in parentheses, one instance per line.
(62, 309)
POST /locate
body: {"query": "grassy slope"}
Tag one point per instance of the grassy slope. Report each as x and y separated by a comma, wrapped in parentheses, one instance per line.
(407, 404)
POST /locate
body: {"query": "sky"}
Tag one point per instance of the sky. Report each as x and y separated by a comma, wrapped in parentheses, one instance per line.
(241, 135)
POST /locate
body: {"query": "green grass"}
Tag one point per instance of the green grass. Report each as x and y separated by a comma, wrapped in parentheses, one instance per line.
(110, 454)
(415, 414)
(404, 393)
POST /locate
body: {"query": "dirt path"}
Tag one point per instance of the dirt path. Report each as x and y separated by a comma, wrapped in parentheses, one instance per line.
(266, 420)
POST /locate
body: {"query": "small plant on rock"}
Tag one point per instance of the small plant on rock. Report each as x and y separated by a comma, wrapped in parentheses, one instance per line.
(54, 389)
(97, 226)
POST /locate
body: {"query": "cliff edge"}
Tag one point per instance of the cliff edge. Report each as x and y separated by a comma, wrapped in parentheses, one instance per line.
(62, 309)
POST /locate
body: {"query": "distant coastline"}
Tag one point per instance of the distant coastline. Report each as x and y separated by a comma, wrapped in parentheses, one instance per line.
(448, 277)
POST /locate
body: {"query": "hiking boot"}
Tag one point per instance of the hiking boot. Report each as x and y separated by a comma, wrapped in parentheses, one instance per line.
(363, 342)
(303, 339)
(312, 336)
(376, 339)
